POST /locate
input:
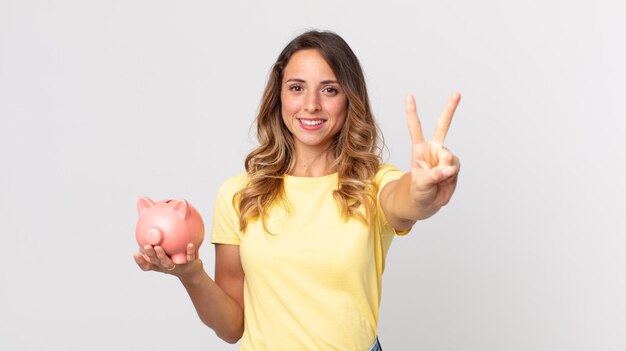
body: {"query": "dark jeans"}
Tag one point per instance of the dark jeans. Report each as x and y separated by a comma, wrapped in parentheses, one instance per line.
(376, 346)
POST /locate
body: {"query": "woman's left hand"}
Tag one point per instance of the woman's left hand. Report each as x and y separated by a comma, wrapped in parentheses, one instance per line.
(434, 169)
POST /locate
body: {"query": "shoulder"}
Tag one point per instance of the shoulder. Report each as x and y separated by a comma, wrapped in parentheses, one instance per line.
(233, 184)
(387, 173)
(227, 191)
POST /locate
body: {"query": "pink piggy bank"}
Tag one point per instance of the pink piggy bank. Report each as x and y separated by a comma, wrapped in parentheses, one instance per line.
(172, 224)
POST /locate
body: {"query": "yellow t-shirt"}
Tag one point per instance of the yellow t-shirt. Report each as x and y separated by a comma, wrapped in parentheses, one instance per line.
(314, 283)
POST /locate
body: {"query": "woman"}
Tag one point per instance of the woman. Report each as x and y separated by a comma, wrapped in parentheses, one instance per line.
(301, 236)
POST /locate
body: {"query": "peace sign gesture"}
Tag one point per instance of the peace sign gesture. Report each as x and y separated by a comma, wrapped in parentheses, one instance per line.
(434, 169)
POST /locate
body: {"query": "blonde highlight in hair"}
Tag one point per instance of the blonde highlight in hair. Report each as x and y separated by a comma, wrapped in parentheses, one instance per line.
(357, 150)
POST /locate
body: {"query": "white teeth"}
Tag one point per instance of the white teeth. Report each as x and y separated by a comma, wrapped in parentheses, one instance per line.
(311, 122)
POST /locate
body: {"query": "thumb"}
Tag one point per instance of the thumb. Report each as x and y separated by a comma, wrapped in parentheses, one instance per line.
(433, 176)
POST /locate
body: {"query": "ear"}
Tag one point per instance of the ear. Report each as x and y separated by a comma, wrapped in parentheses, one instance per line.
(143, 204)
(180, 206)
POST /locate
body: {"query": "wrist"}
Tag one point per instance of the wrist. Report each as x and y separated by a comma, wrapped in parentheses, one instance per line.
(194, 274)
(426, 212)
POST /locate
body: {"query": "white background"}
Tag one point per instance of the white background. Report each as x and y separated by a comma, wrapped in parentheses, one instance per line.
(104, 101)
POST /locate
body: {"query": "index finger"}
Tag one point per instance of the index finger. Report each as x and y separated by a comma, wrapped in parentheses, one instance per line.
(443, 123)
(413, 120)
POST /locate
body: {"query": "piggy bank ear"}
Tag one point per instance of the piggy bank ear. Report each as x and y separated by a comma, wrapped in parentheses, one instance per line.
(143, 204)
(181, 207)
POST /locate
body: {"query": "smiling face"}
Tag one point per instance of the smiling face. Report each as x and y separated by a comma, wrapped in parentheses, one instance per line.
(314, 106)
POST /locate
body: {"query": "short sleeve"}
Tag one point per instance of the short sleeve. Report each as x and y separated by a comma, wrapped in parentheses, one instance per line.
(225, 228)
(386, 174)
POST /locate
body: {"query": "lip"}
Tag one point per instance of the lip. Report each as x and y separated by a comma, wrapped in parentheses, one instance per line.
(310, 127)
(312, 118)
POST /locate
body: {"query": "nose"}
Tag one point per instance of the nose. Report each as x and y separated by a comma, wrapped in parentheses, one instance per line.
(312, 102)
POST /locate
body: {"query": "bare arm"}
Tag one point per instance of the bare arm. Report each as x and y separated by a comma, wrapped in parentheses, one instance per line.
(219, 303)
(429, 185)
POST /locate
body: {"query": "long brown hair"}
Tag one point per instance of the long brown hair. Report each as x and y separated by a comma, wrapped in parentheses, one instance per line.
(357, 146)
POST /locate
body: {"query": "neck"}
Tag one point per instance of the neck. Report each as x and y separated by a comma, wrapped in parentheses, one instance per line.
(313, 163)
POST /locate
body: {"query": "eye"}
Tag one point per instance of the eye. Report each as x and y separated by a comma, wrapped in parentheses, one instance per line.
(295, 88)
(331, 90)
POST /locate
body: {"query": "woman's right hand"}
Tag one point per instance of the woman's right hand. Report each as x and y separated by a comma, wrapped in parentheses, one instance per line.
(154, 258)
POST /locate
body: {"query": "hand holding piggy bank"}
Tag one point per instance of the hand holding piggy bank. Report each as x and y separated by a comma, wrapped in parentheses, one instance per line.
(171, 224)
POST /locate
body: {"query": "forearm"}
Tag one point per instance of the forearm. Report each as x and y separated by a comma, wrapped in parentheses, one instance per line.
(400, 209)
(215, 308)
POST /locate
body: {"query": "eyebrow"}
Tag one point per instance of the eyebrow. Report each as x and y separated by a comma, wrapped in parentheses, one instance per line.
(300, 80)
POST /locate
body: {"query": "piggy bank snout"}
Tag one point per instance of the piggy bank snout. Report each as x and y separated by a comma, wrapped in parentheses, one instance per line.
(153, 236)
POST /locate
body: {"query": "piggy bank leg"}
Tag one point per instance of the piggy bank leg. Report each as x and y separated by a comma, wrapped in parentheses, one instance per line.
(179, 258)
